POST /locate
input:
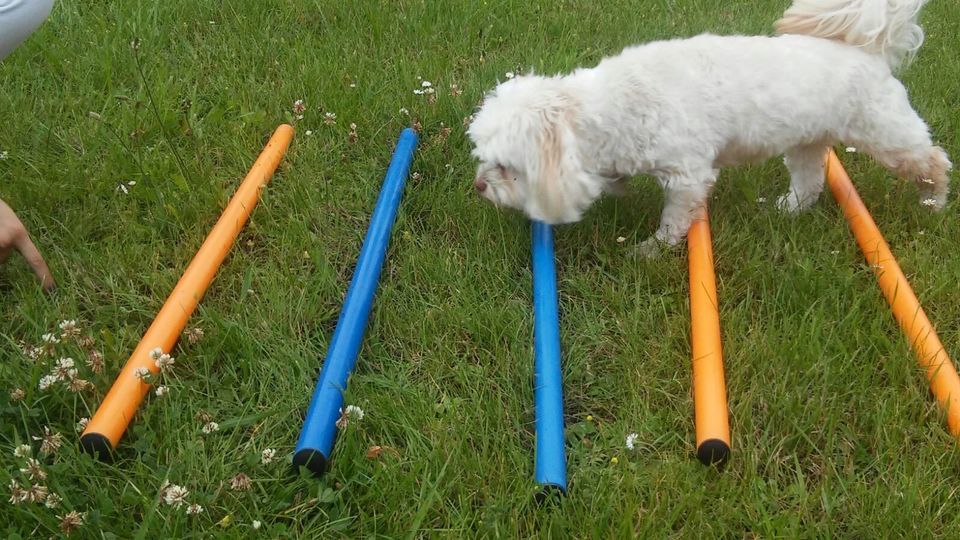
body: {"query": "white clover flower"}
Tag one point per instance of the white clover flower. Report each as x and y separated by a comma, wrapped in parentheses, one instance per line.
(162, 391)
(403, 110)
(354, 412)
(4, 154)
(77, 384)
(50, 338)
(330, 118)
(266, 457)
(22, 451)
(174, 495)
(37, 493)
(195, 334)
(194, 509)
(141, 373)
(17, 493)
(46, 382)
(71, 521)
(64, 369)
(426, 84)
(631, 441)
(165, 362)
(50, 442)
(351, 413)
(155, 354)
(53, 501)
(34, 470)
(82, 424)
(240, 482)
(255, 524)
(69, 328)
(929, 202)
(210, 427)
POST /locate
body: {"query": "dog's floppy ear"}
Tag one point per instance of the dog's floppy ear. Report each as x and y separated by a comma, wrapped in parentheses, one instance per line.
(559, 188)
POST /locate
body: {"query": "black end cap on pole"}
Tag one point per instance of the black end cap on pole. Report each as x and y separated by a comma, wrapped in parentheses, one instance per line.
(313, 460)
(713, 452)
(98, 446)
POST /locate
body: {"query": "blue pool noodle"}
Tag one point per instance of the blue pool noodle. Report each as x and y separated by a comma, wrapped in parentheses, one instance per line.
(551, 463)
(320, 427)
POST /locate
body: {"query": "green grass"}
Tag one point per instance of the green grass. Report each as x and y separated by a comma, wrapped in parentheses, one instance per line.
(834, 430)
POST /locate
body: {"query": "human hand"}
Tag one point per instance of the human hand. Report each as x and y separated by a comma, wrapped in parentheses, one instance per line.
(14, 236)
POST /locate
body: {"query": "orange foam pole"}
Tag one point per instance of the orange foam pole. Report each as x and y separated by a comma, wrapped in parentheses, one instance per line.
(104, 430)
(931, 355)
(709, 387)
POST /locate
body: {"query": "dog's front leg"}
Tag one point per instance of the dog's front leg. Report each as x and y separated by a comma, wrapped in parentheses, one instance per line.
(685, 195)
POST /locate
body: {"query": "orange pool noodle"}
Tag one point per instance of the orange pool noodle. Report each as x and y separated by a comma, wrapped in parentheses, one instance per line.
(930, 353)
(104, 430)
(709, 387)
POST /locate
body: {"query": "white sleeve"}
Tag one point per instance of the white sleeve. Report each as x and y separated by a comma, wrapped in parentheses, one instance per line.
(19, 19)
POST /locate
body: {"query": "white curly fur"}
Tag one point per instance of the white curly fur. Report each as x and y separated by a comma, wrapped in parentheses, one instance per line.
(682, 109)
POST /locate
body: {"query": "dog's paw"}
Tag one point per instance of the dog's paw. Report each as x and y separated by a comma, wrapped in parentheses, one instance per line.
(934, 203)
(651, 248)
(932, 197)
(791, 203)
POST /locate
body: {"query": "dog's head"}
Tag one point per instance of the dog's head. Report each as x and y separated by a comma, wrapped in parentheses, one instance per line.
(529, 155)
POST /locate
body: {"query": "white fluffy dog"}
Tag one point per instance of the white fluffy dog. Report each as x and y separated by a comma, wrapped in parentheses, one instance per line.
(680, 110)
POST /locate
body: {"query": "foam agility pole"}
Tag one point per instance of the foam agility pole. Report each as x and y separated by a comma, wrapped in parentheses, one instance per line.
(709, 388)
(104, 430)
(319, 429)
(550, 469)
(931, 355)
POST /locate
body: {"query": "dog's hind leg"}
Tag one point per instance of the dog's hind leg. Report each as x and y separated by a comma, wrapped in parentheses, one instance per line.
(895, 135)
(685, 193)
(806, 164)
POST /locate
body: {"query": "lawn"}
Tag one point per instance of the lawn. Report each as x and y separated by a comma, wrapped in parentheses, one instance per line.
(834, 429)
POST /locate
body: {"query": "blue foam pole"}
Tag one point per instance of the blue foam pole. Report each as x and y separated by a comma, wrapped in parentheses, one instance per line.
(320, 427)
(551, 462)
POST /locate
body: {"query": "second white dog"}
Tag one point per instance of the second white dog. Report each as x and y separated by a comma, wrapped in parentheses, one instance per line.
(680, 110)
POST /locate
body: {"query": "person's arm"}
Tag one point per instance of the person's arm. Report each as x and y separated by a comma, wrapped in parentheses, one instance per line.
(14, 236)
(19, 19)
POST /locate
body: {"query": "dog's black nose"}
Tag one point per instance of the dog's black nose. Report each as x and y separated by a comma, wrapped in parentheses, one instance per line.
(480, 184)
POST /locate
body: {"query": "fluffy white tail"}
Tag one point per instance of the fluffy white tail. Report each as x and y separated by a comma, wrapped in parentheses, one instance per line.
(885, 27)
